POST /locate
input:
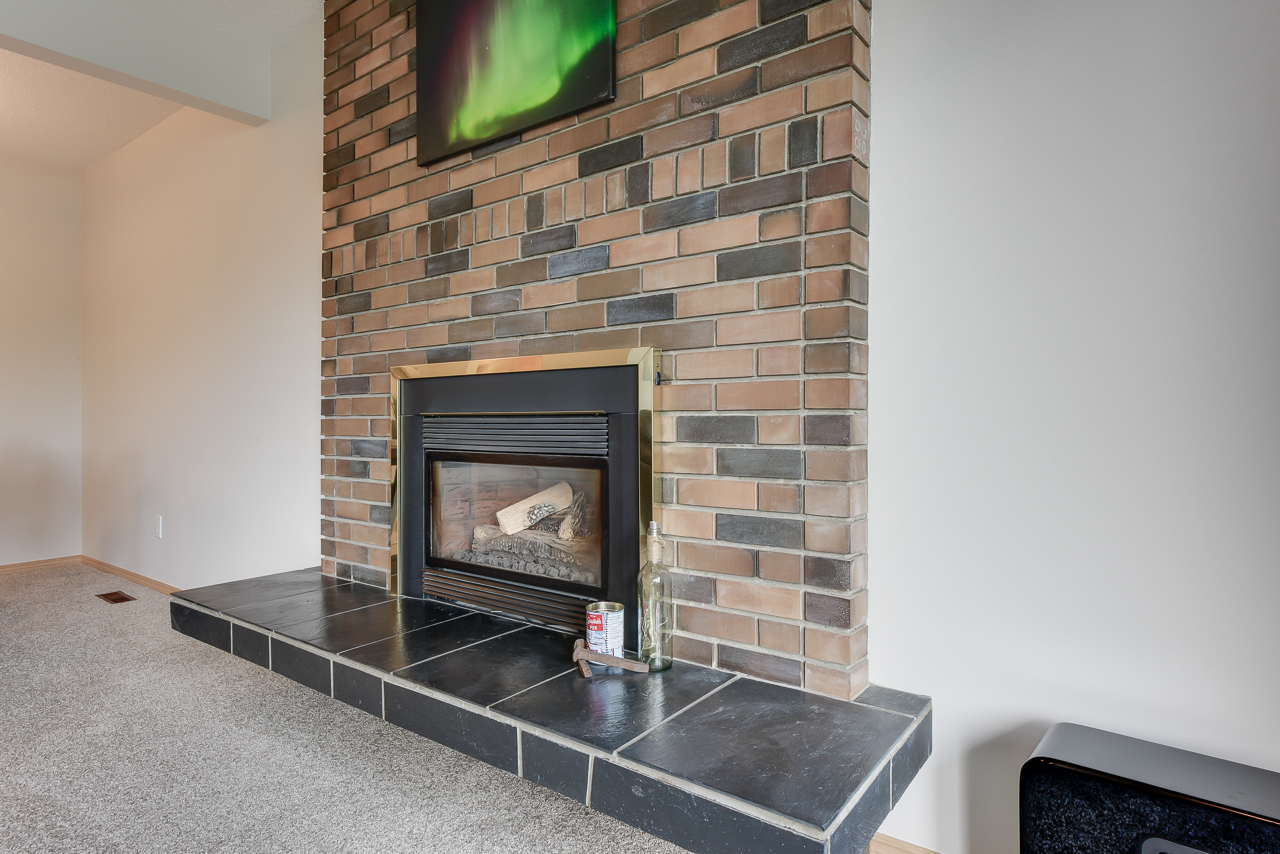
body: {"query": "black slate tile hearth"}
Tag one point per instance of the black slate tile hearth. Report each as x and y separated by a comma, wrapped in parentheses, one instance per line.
(614, 706)
(398, 652)
(497, 668)
(795, 753)
(233, 594)
(713, 761)
(351, 629)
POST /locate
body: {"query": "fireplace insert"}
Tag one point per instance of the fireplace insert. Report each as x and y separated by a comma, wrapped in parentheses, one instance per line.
(522, 485)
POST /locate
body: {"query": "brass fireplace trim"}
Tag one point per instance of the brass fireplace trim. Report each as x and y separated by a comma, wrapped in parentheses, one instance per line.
(645, 358)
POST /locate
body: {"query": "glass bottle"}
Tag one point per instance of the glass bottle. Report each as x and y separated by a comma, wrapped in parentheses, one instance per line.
(655, 606)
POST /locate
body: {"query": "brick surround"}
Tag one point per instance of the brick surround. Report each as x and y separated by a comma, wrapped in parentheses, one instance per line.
(717, 209)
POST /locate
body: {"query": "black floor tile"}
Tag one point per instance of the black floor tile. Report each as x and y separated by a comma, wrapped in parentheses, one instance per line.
(339, 632)
(686, 819)
(357, 688)
(864, 819)
(795, 753)
(614, 705)
(401, 651)
(280, 613)
(497, 668)
(907, 761)
(554, 766)
(234, 594)
(894, 701)
(305, 668)
(471, 733)
(212, 630)
(251, 645)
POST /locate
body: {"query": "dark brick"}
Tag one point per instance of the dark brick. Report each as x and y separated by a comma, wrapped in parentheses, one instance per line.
(404, 129)
(494, 147)
(760, 530)
(829, 357)
(352, 468)
(372, 227)
(666, 18)
(610, 156)
(447, 205)
(757, 45)
(550, 240)
(461, 331)
(368, 575)
(612, 284)
(828, 572)
(495, 302)
(733, 429)
(339, 157)
(722, 90)
(643, 309)
(380, 514)
(521, 272)
(428, 289)
(828, 611)
(638, 184)
(375, 100)
(587, 260)
(372, 448)
(343, 285)
(694, 588)
(534, 211)
(772, 10)
(859, 215)
(459, 353)
(742, 157)
(784, 189)
(449, 262)
(398, 6)
(685, 134)
(679, 336)
(512, 325)
(343, 570)
(352, 385)
(355, 302)
(543, 346)
(761, 665)
(802, 143)
(810, 62)
(828, 429)
(760, 462)
(829, 179)
(681, 211)
(836, 321)
(668, 490)
(770, 260)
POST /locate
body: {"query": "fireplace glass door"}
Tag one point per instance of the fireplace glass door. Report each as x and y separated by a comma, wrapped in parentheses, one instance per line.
(527, 515)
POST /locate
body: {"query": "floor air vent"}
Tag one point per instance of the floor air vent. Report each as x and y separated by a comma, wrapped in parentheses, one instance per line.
(115, 597)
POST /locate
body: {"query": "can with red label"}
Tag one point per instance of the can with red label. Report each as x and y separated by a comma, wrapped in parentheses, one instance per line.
(604, 627)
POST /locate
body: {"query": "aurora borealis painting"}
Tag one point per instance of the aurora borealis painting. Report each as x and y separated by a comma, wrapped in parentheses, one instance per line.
(488, 69)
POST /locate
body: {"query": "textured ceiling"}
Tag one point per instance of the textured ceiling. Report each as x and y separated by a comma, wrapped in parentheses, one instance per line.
(264, 24)
(57, 117)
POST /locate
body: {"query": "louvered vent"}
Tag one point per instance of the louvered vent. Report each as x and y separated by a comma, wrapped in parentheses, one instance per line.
(550, 607)
(562, 435)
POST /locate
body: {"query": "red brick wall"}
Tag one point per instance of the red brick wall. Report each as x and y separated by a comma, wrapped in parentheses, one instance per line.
(717, 209)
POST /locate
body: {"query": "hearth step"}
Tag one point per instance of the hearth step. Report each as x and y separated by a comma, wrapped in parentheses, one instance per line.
(713, 761)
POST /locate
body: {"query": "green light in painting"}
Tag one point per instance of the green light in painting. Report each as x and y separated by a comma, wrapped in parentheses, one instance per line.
(527, 52)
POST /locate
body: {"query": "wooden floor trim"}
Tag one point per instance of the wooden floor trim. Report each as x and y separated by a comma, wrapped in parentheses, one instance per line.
(158, 586)
(881, 844)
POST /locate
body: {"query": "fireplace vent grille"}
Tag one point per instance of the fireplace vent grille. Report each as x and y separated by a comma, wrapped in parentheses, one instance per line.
(558, 435)
(561, 610)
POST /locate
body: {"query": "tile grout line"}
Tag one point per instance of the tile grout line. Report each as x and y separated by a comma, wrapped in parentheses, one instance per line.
(677, 714)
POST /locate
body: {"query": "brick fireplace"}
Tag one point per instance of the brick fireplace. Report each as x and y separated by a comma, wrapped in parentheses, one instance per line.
(717, 210)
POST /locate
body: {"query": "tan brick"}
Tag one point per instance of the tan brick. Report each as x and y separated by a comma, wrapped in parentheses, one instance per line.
(779, 498)
(692, 649)
(783, 637)
(682, 72)
(471, 281)
(769, 394)
(835, 465)
(779, 224)
(574, 205)
(662, 178)
(352, 510)
(684, 397)
(690, 132)
(615, 192)
(496, 349)
(688, 172)
(721, 234)
(759, 112)
(740, 296)
(608, 339)
(778, 293)
(646, 55)
(718, 27)
(715, 364)
(593, 195)
(828, 500)
(760, 598)
(827, 215)
(773, 326)
(780, 566)
(481, 170)
(410, 315)
(644, 115)
(679, 274)
(555, 293)
(778, 429)
(773, 150)
(688, 523)
(495, 252)
(428, 336)
(829, 537)
(725, 560)
(578, 138)
(838, 88)
(715, 164)
(449, 309)
(842, 247)
(589, 316)
(779, 361)
(736, 494)
(615, 283)
(639, 250)
(835, 393)
(717, 624)
(611, 227)
(556, 172)
(843, 685)
(686, 459)
(836, 647)
(845, 132)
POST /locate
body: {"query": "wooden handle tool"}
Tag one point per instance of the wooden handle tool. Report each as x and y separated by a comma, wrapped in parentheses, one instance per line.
(581, 655)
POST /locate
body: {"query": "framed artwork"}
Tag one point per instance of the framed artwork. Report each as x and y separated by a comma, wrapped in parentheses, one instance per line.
(488, 69)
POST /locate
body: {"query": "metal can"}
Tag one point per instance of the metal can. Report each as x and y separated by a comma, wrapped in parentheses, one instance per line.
(604, 627)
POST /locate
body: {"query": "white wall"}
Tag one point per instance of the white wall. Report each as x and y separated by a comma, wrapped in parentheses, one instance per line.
(202, 339)
(39, 362)
(1075, 429)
